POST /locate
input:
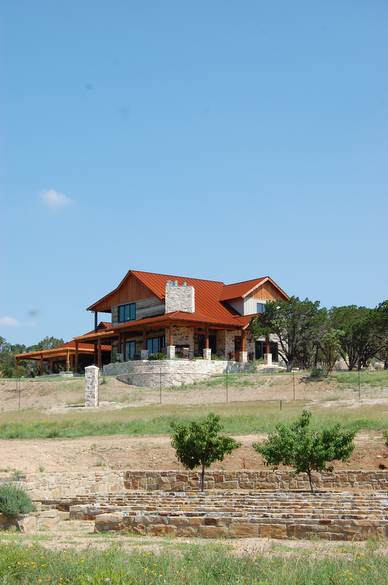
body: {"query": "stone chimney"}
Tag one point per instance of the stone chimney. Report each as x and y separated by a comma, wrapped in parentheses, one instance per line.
(179, 297)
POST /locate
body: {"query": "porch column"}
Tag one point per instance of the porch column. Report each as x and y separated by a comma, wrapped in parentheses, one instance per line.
(99, 360)
(95, 320)
(41, 365)
(67, 361)
(76, 356)
(207, 352)
(267, 353)
(95, 353)
(144, 350)
(119, 349)
(50, 366)
(243, 352)
(170, 345)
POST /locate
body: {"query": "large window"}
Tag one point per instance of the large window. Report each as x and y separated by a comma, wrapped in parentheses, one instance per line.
(260, 307)
(129, 350)
(156, 344)
(127, 312)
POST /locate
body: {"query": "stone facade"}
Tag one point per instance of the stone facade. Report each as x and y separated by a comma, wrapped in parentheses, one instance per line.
(91, 386)
(179, 298)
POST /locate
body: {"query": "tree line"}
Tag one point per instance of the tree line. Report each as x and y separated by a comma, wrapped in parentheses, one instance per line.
(311, 336)
(8, 366)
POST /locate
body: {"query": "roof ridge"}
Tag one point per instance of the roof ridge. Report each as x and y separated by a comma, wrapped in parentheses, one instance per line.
(175, 276)
(248, 280)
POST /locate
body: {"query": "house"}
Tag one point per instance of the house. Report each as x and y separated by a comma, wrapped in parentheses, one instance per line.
(182, 317)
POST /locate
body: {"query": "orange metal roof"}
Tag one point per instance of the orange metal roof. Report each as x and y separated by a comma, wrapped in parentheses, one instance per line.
(209, 299)
(61, 350)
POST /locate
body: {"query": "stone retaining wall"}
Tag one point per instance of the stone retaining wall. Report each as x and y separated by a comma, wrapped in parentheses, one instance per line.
(254, 480)
(150, 373)
(69, 484)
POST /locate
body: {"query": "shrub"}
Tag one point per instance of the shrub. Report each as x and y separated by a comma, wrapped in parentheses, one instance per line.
(305, 449)
(14, 501)
(200, 443)
(157, 356)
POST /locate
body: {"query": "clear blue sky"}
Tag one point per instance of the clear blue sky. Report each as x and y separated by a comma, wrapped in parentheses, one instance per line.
(218, 139)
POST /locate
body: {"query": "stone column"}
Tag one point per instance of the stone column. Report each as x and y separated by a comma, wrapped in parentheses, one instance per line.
(243, 351)
(91, 386)
(170, 346)
(267, 354)
(170, 352)
(207, 353)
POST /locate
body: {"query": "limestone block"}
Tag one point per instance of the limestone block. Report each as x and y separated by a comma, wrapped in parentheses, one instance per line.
(207, 353)
(170, 352)
(27, 524)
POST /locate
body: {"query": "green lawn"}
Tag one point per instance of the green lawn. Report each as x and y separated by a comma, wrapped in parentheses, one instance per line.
(238, 418)
(191, 565)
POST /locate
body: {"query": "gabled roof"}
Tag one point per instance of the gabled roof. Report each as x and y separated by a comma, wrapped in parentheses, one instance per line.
(209, 298)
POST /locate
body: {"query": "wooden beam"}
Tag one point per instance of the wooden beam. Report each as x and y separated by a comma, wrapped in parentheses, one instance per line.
(76, 357)
(243, 341)
(95, 320)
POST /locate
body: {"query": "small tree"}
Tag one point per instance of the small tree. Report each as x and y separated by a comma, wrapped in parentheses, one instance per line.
(200, 443)
(299, 446)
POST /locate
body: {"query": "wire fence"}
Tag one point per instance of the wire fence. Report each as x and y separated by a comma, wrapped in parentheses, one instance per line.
(142, 388)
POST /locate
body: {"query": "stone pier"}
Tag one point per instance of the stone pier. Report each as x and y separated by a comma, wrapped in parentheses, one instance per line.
(91, 386)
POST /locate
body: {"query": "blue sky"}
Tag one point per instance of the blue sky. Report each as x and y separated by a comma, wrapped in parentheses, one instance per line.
(217, 139)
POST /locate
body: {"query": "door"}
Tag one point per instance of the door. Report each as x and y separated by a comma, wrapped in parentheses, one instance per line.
(130, 350)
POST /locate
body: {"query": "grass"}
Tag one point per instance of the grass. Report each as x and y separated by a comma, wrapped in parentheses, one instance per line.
(191, 565)
(377, 379)
(238, 418)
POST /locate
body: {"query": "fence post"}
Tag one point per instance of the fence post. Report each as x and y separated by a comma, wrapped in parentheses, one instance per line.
(359, 385)
(160, 385)
(18, 389)
(226, 386)
(280, 404)
(293, 384)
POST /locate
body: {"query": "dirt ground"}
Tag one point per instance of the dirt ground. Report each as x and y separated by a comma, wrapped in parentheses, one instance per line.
(121, 452)
(55, 396)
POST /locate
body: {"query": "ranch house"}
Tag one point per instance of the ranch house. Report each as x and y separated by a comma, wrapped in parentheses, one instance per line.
(181, 317)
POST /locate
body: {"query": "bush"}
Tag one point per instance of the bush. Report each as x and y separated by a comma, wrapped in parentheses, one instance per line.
(14, 501)
(157, 356)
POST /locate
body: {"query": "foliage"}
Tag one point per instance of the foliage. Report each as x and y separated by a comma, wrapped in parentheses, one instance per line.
(157, 356)
(358, 340)
(14, 501)
(329, 349)
(199, 443)
(381, 327)
(8, 366)
(307, 450)
(189, 565)
(297, 325)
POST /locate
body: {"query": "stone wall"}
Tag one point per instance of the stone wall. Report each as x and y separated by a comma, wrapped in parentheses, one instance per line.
(71, 484)
(168, 373)
(254, 480)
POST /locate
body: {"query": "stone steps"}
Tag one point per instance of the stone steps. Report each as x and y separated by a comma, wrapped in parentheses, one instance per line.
(330, 515)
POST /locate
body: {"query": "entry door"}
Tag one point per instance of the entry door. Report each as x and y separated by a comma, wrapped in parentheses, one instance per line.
(130, 350)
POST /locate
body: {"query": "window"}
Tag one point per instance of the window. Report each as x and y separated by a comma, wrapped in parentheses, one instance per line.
(129, 350)
(127, 312)
(156, 344)
(260, 307)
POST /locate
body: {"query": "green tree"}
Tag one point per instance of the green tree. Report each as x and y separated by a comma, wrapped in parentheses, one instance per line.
(296, 324)
(299, 446)
(358, 339)
(381, 328)
(199, 443)
(46, 343)
(329, 349)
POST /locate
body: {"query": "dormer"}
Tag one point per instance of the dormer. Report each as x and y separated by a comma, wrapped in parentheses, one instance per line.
(249, 297)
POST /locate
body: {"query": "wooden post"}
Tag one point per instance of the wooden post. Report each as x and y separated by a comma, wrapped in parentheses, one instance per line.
(170, 336)
(41, 365)
(95, 353)
(67, 361)
(99, 360)
(243, 341)
(206, 338)
(76, 357)
(95, 320)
